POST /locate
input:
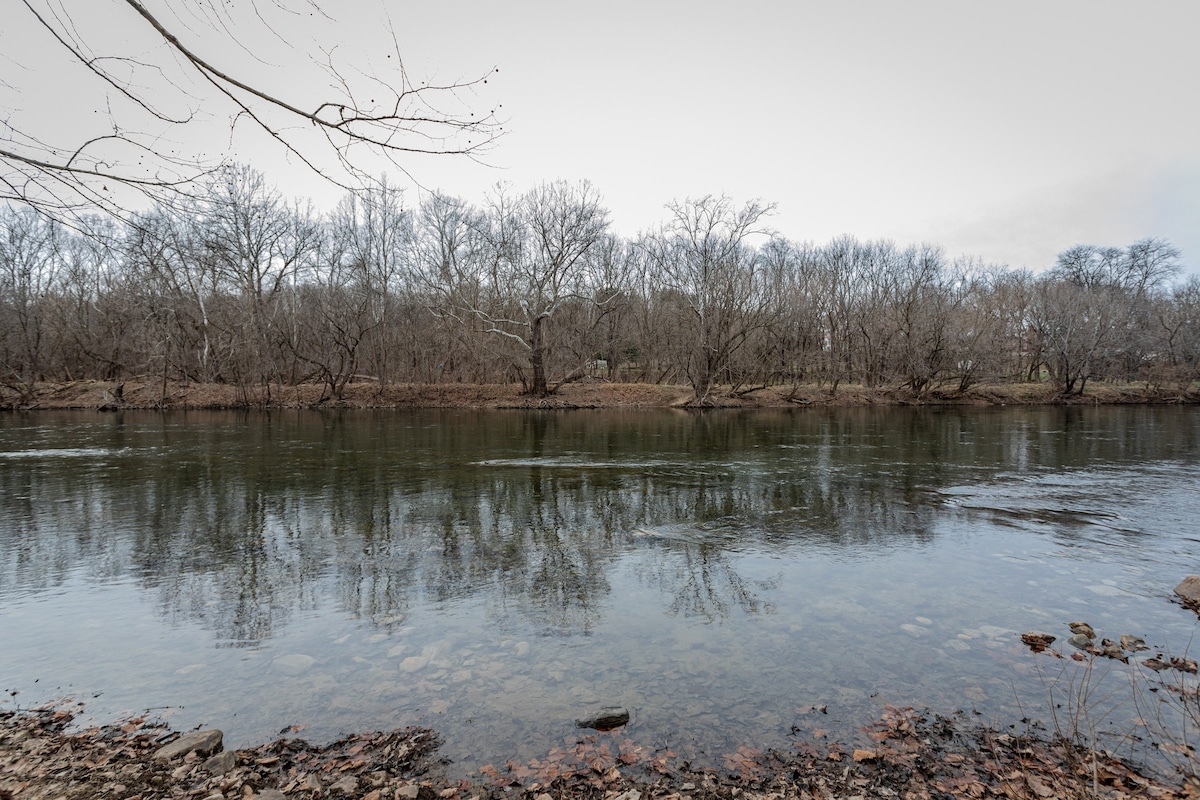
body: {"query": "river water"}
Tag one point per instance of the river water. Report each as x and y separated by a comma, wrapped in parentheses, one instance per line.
(731, 578)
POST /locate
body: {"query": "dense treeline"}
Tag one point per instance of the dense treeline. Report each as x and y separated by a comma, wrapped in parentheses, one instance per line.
(239, 286)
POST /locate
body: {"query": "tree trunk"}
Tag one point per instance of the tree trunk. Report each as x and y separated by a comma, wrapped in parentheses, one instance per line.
(537, 358)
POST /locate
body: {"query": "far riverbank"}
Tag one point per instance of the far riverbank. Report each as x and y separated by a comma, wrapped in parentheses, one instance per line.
(150, 394)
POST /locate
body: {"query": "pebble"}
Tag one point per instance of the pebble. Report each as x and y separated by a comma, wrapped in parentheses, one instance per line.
(414, 663)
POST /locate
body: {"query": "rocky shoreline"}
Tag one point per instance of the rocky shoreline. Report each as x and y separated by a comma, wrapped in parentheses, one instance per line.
(151, 394)
(916, 756)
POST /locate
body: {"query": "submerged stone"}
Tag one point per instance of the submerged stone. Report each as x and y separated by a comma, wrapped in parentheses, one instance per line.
(1080, 641)
(294, 664)
(1133, 643)
(605, 719)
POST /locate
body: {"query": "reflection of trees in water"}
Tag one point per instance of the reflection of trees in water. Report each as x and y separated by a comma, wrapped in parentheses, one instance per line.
(240, 521)
(700, 580)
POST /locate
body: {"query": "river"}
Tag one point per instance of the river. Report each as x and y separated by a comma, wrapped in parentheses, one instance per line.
(729, 577)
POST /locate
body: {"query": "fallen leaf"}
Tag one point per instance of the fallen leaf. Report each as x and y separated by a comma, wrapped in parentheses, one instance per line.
(1038, 786)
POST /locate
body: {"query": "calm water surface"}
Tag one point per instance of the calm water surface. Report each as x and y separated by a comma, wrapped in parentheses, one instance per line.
(494, 575)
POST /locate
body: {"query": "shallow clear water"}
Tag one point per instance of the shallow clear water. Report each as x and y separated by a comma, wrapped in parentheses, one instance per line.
(496, 574)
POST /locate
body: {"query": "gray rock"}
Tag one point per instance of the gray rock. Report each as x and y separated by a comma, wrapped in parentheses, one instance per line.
(1080, 641)
(203, 743)
(221, 762)
(1189, 589)
(345, 785)
(1133, 643)
(409, 792)
(1082, 627)
(605, 719)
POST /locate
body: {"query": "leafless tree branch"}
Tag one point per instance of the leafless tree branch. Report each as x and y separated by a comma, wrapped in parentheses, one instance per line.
(178, 87)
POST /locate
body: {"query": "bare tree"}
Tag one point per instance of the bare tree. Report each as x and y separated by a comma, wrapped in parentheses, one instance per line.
(98, 323)
(29, 267)
(156, 78)
(519, 265)
(1178, 323)
(177, 287)
(377, 231)
(982, 343)
(255, 244)
(706, 259)
(610, 268)
(1094, 309)
(921, 307)
(338, 310)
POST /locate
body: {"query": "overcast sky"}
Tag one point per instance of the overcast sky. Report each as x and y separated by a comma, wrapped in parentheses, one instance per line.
(1008, 131)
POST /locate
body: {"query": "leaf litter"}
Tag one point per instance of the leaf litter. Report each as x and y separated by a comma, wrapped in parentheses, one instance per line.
(913, 756)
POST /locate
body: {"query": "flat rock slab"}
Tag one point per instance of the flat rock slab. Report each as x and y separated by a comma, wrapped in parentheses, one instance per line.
(1189, 590)
(222, 762)
(205, 743)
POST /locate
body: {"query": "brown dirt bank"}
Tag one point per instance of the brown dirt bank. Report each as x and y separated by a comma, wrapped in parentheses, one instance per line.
(915, 757)
(149, 394)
